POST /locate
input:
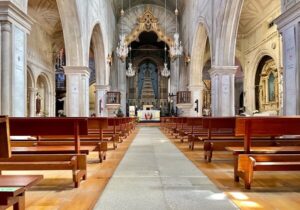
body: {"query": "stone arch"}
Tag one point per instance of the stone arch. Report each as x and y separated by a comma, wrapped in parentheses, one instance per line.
(43, 88)
(226, 34)
(249, 82)
(265, 67)
(72, 32)
(97, 43)
(30, 93)
(198, 53)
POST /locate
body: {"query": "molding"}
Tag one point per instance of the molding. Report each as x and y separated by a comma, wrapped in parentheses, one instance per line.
(76, 70)
(264, 41)
(288, 17)
(31, 63)
(11, 13)
(223, 70)
(102, 87)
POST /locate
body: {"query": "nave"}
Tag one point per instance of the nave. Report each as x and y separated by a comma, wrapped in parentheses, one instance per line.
(154, 174)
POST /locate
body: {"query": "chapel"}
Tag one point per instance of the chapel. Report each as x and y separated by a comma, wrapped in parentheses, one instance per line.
(149, 104)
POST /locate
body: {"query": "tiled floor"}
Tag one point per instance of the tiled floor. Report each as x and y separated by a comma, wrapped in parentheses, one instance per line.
(154, 174)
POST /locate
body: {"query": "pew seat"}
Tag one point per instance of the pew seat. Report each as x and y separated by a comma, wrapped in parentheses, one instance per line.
(74, 162)
(278, 150)
(12, 190)
(248, 163)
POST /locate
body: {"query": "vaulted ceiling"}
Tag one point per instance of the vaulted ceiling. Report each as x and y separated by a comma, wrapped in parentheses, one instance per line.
(45, 14)
(171, 4)
(255, 11)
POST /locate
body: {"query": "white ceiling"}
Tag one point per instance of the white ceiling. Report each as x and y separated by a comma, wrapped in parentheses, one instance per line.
(255, 11)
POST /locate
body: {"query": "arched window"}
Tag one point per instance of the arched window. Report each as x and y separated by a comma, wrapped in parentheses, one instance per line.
(271, 86)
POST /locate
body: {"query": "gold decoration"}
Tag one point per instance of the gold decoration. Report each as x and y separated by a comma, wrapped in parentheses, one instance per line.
(148, 22)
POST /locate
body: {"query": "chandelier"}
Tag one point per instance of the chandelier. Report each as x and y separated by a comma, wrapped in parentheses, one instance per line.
(122, 49)
(165, 72)
(130, 72)
(176, 48)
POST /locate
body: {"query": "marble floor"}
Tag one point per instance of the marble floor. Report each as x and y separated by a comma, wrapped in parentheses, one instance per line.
(154, 174)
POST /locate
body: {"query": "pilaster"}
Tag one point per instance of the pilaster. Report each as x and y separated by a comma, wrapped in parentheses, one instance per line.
(289, 26)
(222, 93)
(77, 88)
(15, 25)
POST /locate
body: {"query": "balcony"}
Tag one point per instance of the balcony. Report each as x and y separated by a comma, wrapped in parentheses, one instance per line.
(113, 98)
(183, 97)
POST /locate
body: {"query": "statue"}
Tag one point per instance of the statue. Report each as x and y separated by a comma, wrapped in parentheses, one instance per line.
(38, 103)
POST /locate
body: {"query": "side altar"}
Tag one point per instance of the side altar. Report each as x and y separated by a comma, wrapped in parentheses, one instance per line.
(148, 114)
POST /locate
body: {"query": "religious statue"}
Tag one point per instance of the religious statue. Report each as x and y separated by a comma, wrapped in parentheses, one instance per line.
(38, 103)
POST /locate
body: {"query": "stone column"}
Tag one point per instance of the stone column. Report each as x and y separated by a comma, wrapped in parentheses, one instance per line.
(77, 88)
(15, 25)
(32, 96)
(174, 81)
(100, 97)
(222, 93)
(6, 67)
(289, 26)
(122, 84)
(197, 94)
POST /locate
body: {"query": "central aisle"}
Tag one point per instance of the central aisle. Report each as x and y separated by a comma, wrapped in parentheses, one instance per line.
(154, 174)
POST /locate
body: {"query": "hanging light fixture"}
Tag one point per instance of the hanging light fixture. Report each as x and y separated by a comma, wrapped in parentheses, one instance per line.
(176, 48)
(130, 72)
(122, 49)
(165, 72)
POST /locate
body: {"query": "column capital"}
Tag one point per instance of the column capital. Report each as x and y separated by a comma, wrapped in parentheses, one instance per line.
(6, 26)
(76, 70)
(102, 87)
(223, 70)
(13, 14)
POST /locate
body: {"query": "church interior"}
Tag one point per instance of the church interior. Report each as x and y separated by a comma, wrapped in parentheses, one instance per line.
(149, 104)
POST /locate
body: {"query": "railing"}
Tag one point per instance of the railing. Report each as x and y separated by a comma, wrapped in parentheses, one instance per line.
(183, 97)
(113, 98)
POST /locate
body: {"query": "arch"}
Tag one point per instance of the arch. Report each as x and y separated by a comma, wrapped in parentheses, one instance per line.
(265, 68)
(155, 23)
(198, 53)
(226, 35)
(70, 20)
(30, 78)
(30, 93)
(97, 44)
(43, 87)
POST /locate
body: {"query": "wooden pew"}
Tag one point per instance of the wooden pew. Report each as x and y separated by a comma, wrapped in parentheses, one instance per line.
(49, 126)
(94, 141)
(12, 188)
(5, 150)
(264, 157)
(248, 163)
(221, 134)
(195, 130)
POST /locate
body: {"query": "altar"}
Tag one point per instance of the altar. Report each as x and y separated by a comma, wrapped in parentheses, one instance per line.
(149, 115)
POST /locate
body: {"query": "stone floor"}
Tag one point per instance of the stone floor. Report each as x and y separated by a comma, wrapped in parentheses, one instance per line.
(154, 174)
